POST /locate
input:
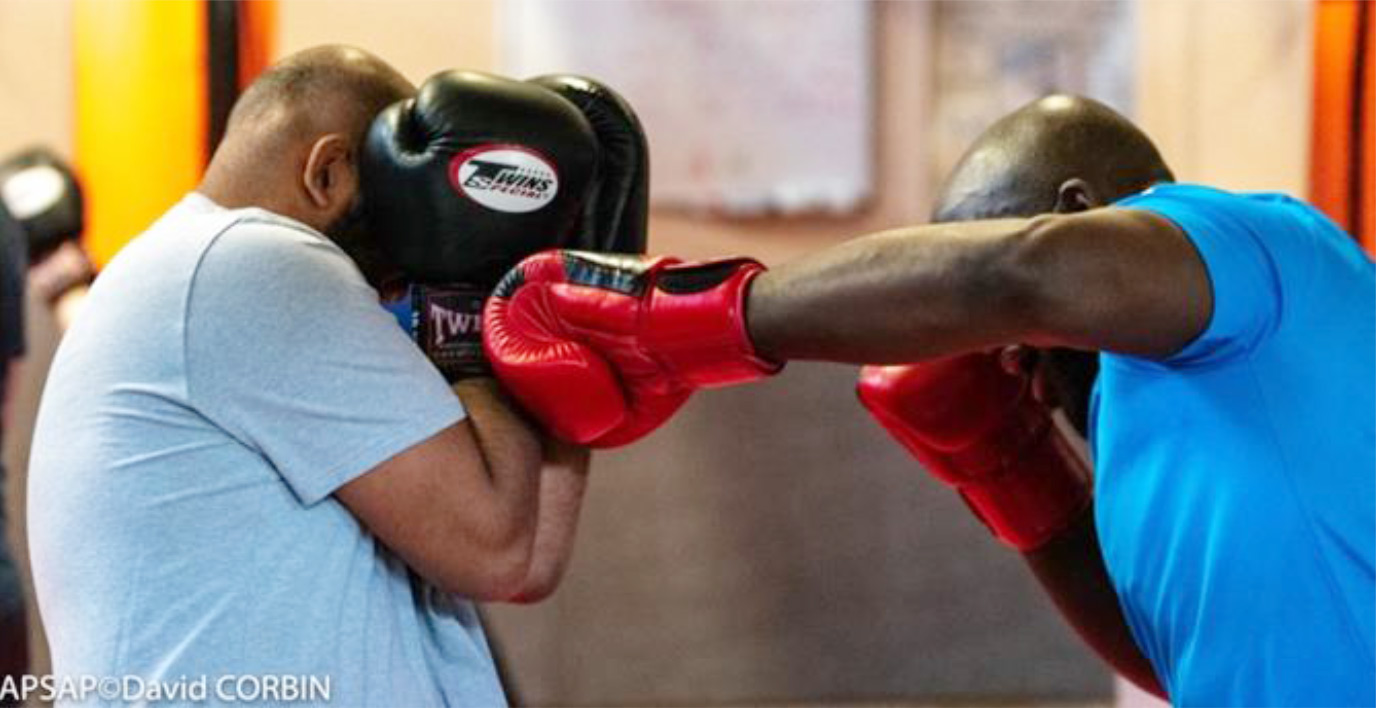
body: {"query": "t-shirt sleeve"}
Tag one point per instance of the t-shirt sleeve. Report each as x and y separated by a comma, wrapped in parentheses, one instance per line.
(1242, 274)
(288, 349)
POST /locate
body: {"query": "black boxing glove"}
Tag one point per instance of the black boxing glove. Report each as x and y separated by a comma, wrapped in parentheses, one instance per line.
(42, 195)
(616, 217)
(473, 174)
(42, 199)
(462, 182)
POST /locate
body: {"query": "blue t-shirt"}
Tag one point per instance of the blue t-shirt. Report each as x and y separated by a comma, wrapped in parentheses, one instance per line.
(230, 370)
(1235, 496)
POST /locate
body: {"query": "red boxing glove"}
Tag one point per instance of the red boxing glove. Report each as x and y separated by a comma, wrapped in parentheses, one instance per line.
(978, 428)
(603, 349)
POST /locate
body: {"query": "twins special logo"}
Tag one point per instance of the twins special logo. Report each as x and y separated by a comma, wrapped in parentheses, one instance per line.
(509, 178)
(447, 326)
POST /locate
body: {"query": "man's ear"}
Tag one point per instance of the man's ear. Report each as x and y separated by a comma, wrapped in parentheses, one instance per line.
(1075, 195)
(328, 172)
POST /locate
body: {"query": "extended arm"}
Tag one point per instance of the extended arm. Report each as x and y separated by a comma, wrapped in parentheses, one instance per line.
(634, 337)
(1108, 279)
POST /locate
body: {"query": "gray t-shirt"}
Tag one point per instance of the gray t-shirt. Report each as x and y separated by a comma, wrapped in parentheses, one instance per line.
(230, 370)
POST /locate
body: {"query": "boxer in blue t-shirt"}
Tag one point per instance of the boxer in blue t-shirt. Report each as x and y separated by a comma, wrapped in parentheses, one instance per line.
(1225, 553)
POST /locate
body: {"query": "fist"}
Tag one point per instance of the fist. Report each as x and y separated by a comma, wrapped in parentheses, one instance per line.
(604, 349)
(977, 427)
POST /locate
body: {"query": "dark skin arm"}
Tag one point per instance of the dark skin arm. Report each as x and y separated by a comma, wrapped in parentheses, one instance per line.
(1108, 279)
(1071, 570)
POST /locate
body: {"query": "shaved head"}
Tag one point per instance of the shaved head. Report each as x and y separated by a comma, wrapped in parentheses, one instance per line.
(329, 89)
(292, 143)
(1061, 153)
(1018, 166)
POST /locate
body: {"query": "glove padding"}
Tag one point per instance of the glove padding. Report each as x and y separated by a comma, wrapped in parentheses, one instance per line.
(978, 428)
(603, 349)
(473, 174)
(461, 182)
(478, 172)
(616, 216)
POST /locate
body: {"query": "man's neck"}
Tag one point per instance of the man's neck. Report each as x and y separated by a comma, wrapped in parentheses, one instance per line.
(237, 194)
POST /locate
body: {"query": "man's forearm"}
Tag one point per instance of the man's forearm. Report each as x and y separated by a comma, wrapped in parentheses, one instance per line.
(896, 296)
(564, 479)
(1071, 570)
(510, 447)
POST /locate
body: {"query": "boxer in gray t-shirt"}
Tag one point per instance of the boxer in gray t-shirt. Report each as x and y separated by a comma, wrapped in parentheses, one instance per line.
(243, 469)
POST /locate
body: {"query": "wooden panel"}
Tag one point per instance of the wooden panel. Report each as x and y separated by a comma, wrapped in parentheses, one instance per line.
(1222, 88)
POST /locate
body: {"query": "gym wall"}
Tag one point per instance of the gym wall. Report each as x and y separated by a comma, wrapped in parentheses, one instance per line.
(770, 544)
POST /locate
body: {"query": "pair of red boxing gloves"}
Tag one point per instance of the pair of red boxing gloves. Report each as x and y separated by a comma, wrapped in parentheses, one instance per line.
(603, 349)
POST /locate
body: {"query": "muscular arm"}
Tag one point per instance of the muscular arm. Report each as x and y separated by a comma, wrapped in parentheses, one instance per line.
(460, 507)
(485, 509)
(1071, 569)
(1108, 279)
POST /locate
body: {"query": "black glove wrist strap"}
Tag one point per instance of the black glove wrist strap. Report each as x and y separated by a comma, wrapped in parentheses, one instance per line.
(447, 322)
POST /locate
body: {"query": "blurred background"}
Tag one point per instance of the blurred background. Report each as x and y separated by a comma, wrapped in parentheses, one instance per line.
(770, 545)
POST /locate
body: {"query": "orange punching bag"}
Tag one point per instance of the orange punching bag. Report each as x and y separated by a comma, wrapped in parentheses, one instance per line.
(1343, 155)
(154, 84)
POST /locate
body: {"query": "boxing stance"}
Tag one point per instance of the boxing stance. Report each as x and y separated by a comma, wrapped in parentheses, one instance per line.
(242, 466)
(1230, 420)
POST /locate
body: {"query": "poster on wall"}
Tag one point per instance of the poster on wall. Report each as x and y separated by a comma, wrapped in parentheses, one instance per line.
(739, 120)
(994, 56)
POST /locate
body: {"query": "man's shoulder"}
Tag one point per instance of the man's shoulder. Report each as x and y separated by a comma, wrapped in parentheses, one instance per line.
(255, 231)
(1174, 198)
(257, 246)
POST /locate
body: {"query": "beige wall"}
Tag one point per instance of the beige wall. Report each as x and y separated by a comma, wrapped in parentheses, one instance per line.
(418, 37)
(770, 544)
(1224, 87)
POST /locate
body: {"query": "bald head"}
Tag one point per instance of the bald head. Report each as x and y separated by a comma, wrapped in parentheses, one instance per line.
(329, 89)
(292, 143)
(1023, 164)
(326, 91)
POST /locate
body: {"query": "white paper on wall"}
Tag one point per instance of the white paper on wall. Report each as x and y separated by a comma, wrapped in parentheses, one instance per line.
(751, 107)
